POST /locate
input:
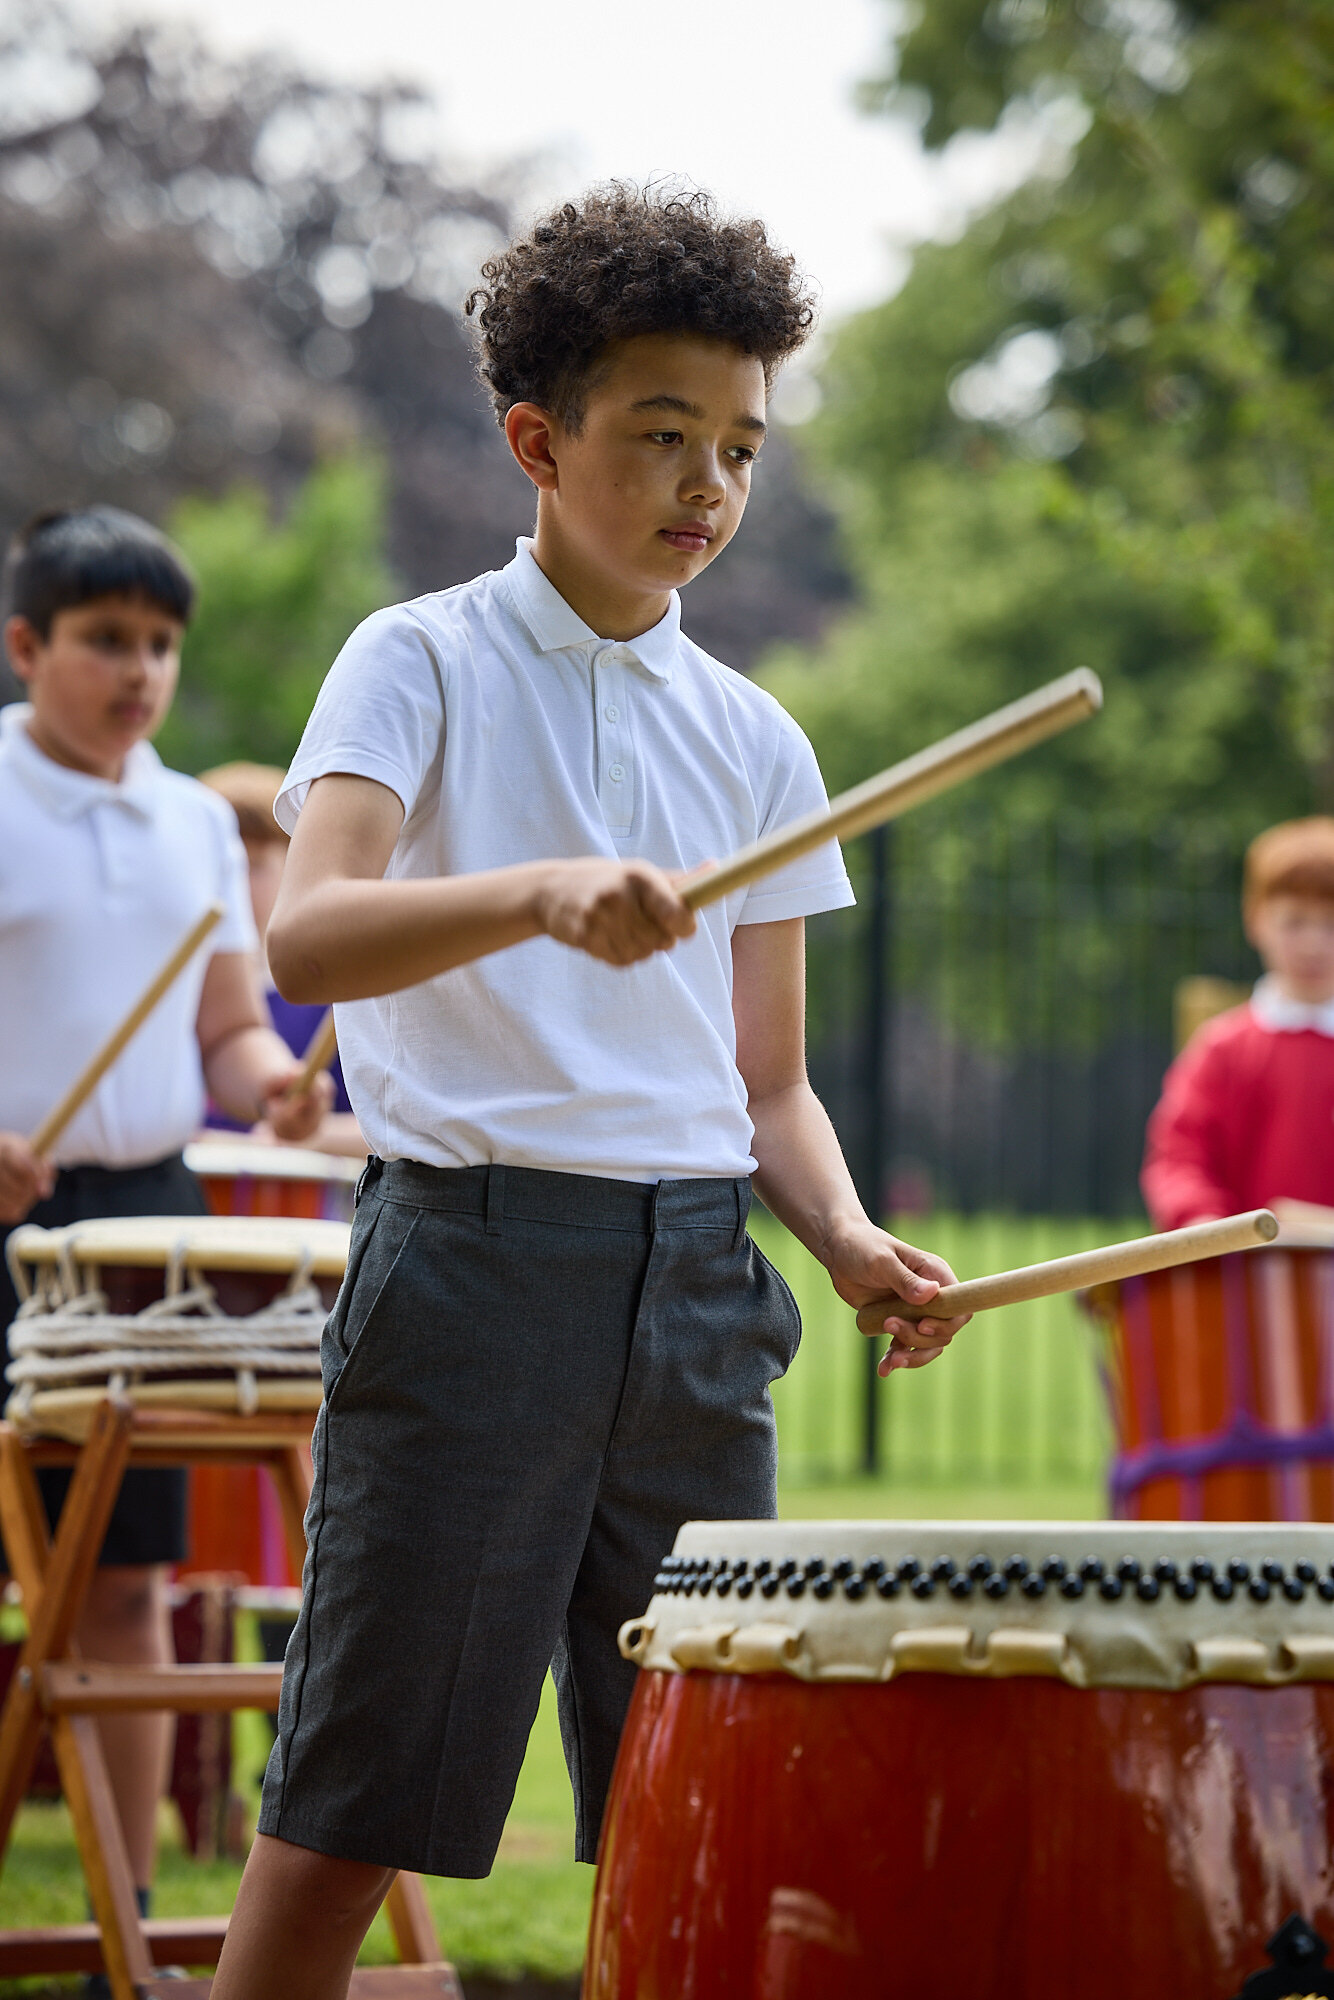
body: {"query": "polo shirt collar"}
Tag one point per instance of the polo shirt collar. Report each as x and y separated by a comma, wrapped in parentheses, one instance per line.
(67, 794)
(1274, 1010)
(556, 626)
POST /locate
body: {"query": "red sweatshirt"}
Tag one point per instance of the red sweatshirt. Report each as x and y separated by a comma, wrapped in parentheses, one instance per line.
(1246, 1117)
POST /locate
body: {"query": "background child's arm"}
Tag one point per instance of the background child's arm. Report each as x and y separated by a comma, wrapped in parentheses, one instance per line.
(246, 1065)
(1185, 1176)
(339, 931)
(24, 1178)
(802, 1175)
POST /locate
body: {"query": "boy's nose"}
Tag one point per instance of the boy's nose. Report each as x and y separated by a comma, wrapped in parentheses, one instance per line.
(706, 481)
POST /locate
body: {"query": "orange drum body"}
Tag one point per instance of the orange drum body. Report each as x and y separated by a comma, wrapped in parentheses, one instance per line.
(240, 1177)
(946, 1797)
(235, 1521)
(1222, 1388)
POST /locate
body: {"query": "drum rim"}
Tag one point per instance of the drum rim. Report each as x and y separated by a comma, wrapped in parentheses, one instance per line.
(232, 1158)
(256, 1243)
(817, 1621)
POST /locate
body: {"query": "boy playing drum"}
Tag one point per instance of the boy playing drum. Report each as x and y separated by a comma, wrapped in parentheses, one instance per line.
(555, 1341)
(105, 861)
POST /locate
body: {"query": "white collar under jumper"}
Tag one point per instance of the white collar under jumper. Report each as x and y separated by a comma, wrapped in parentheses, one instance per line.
(512, 733)
(98, 882)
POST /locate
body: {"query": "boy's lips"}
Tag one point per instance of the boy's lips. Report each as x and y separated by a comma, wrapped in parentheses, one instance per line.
(690, 536)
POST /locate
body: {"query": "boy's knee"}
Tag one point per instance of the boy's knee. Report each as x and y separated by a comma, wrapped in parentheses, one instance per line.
(324, 1889)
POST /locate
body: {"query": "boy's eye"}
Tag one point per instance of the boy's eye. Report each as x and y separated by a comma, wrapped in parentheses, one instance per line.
(665, 437)
(743, 454)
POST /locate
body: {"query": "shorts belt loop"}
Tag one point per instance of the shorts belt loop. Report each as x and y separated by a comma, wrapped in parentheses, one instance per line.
(653, 1209)
(495, 1200)
(742, 1208)
(367, 1178)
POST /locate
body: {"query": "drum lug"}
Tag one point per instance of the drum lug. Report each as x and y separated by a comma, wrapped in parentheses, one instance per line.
(1299, 1954)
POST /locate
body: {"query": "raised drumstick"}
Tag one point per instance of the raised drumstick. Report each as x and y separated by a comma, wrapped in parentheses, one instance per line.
(1087, 1267)
(1018, 726)
(321, 1052)
(55, 1121)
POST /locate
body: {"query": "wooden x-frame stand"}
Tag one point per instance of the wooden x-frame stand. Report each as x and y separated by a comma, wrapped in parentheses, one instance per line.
(54, 1690)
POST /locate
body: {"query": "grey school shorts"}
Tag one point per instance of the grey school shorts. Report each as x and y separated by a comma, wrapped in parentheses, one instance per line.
(531, 1380)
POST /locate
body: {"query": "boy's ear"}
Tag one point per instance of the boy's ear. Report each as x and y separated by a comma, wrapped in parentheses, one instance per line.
(23, 644)
(530, 433)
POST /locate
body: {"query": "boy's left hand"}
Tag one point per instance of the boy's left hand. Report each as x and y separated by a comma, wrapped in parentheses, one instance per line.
(867, 1264)
(294, 1119)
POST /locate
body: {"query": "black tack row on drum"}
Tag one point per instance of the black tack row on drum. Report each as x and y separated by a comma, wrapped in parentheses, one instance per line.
(687, 1576)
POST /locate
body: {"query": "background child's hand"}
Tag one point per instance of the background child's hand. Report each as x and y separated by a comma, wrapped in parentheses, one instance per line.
(24, 1178)
(618, 911)
(292, 1120)
(867, 1264)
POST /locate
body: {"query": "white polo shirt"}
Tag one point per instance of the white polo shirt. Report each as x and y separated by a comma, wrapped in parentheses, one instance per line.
(512, 733)
(98, 882)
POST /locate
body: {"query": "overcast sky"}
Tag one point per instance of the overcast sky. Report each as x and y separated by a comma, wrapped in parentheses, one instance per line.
(751, 98)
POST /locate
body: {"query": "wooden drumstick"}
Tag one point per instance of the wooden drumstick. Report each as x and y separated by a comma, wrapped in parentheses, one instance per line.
(1087, 1267)
(995, 738)
(55, 1121)
(321, 1052)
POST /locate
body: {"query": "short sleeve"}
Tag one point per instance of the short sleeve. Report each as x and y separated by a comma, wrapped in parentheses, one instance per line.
(818, 880)
(379, 715)
(236, 931)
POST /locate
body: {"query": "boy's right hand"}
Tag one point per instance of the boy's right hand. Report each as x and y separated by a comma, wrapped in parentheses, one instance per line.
(618, 911)
(25, 1178)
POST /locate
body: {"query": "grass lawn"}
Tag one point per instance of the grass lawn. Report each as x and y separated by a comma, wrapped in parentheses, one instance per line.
(1008, 1426)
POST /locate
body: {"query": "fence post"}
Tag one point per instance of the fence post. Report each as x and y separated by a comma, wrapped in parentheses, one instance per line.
(877, 1096)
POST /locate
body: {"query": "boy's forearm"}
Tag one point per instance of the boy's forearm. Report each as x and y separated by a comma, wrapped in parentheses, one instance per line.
(352, 939)
(802, 1176)
(241, 1069)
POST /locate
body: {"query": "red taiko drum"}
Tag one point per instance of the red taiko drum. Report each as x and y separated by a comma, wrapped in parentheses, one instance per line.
(1221, 1379)
(972, 1762)
(244, 1177)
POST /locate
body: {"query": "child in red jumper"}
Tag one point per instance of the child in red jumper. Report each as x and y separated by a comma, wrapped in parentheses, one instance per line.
(1246, 1117)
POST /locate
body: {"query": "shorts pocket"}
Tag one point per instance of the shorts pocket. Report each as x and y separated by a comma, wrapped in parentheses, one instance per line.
(787, 1311)
(372, 1256)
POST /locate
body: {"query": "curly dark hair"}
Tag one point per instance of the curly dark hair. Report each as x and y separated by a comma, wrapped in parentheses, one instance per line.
(623, 261)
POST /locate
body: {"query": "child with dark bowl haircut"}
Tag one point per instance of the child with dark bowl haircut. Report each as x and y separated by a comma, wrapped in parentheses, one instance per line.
(106, 859)
(555, 1341)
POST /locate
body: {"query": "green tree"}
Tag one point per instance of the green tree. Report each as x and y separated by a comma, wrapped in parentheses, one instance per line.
(277, 598)
(1097, 428)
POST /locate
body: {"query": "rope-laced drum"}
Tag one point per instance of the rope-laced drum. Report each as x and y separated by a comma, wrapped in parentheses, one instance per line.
(943, 1759)
(242, 1177)
(220, 1313)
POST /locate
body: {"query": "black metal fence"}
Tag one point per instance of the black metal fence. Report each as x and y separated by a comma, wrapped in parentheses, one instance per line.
(990, 1026)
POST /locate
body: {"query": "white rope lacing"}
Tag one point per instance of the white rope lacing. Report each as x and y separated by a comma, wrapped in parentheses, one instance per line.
(64, 1335)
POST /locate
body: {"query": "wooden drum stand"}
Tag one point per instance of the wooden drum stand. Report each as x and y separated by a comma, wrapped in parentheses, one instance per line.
(54, 1690)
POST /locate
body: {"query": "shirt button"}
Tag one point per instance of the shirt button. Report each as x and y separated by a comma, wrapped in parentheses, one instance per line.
(612, 713)
(616, 772)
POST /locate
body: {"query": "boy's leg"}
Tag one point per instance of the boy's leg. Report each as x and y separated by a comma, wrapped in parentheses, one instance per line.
(126, 1622)
(298, 1924)
(694, 1440)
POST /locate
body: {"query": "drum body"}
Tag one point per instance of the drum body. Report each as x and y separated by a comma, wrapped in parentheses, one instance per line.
(950, 1795)
(240, 1177)
(1221, 1377)
(207, 1307)
(230, 1276)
